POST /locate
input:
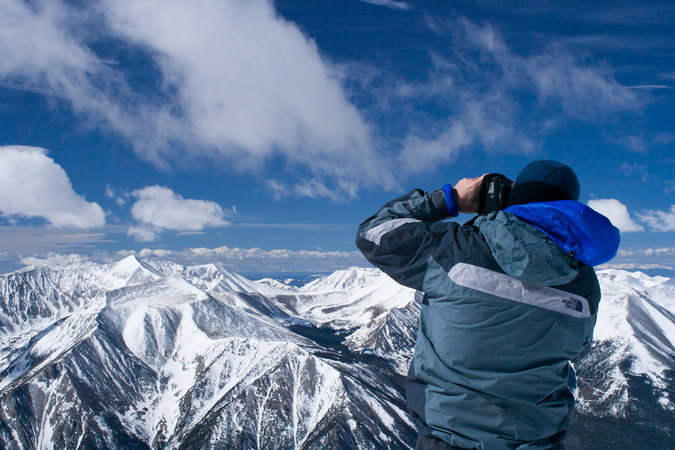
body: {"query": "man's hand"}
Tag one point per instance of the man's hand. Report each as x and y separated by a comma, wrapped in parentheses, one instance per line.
(467, 191)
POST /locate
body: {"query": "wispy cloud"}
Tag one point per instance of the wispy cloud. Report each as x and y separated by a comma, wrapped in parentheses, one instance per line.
(585, 92)
(484, 87)
(635, 144)
(670, 186)
(630, 169)
(639, 143)
(342, 191)
(393, 4)
(33, 185)
(21, 87)
(659, 220)
(664, 138)
(651, 86)
(557, 76)
(120, 196)
(25, 240)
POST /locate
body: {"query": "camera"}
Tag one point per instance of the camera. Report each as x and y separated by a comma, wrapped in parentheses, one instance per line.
(494, 193)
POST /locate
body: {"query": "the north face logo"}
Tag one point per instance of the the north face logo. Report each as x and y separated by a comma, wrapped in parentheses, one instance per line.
(573, 303)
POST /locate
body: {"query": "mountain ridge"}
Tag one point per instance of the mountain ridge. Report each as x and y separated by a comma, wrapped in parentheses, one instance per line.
(152, 354)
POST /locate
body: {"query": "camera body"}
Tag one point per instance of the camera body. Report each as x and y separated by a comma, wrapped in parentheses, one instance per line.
(494, 193)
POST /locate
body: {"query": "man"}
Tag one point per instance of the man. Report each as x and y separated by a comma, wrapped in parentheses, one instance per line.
(509, 299)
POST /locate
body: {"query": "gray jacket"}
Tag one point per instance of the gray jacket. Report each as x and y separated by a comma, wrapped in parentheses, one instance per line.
(505, 309)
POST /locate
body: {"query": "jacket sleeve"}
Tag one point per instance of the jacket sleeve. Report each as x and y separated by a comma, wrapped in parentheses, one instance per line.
(400, 238)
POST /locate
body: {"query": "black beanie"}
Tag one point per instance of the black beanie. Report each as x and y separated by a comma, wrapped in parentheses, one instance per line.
(544, 181)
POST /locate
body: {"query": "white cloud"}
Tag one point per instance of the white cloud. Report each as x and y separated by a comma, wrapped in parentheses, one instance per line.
(247, 78)
(33, 185)
(242, 85)
(663, 253)
(258, 260)
(142, 234)
(234, 259)
(239, 83)
(634, 266)
(36, 50)
(50, 259)
(659, 220)
(249, 86)
(158, 208)
(40, 52)
(617, 213)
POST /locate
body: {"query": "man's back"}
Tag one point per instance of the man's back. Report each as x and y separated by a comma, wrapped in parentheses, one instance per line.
(505, 309)
(495, 357)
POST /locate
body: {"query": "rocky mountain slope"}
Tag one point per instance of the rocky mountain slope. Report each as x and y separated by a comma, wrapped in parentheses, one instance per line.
(150, 354)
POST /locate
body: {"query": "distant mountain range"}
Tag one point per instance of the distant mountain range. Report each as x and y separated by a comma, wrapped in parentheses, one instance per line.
(153, 355)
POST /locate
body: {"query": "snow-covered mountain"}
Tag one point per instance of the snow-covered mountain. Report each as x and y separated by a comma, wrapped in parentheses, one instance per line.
(156, 355)
(626, 378)
(150, 354)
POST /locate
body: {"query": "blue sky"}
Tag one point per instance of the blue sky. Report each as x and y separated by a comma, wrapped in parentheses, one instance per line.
(260, 134)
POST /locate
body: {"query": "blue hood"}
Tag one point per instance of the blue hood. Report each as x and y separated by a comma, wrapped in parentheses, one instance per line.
(575, 227)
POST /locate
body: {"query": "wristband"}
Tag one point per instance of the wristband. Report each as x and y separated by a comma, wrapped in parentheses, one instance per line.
(453, 209)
